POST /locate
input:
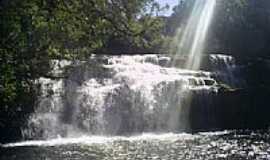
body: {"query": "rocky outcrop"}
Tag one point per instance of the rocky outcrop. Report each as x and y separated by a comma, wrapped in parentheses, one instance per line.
(231, 109)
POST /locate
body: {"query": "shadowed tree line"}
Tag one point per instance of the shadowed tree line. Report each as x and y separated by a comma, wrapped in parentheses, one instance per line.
(239, 27)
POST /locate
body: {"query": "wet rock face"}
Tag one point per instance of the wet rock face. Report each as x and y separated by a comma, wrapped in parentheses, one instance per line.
(225, 69)
(238, 109)
(257, 72)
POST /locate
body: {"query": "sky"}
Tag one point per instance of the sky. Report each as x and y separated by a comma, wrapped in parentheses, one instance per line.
(171, 3)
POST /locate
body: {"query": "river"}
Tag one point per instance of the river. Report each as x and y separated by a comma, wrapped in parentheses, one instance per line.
(208, 145)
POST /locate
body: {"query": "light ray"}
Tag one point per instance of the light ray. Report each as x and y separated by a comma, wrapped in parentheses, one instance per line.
(191, 40)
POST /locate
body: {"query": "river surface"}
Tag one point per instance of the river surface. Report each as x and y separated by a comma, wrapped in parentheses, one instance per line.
(210, 145)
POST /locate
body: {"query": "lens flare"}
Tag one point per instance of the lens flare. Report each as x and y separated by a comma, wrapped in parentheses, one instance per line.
(190, 41)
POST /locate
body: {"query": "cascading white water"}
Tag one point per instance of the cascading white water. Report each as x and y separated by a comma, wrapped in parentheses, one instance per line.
(226, 70)
(125, 94)
(116, 95)
(190, 41)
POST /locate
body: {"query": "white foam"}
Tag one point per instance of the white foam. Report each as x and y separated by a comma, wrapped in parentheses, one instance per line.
(88, 140)
(218, 133)
(90, 100)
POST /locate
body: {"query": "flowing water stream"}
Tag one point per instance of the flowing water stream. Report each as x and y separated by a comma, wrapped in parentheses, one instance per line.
(117, 95)
(217, 145)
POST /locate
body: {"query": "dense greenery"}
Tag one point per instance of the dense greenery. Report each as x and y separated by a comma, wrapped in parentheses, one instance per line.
(35, 31)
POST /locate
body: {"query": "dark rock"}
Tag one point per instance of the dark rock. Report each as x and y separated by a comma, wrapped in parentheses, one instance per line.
(231, 109)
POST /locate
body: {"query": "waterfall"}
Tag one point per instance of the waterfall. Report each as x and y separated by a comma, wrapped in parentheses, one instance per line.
(116, 95)
(226, 70)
